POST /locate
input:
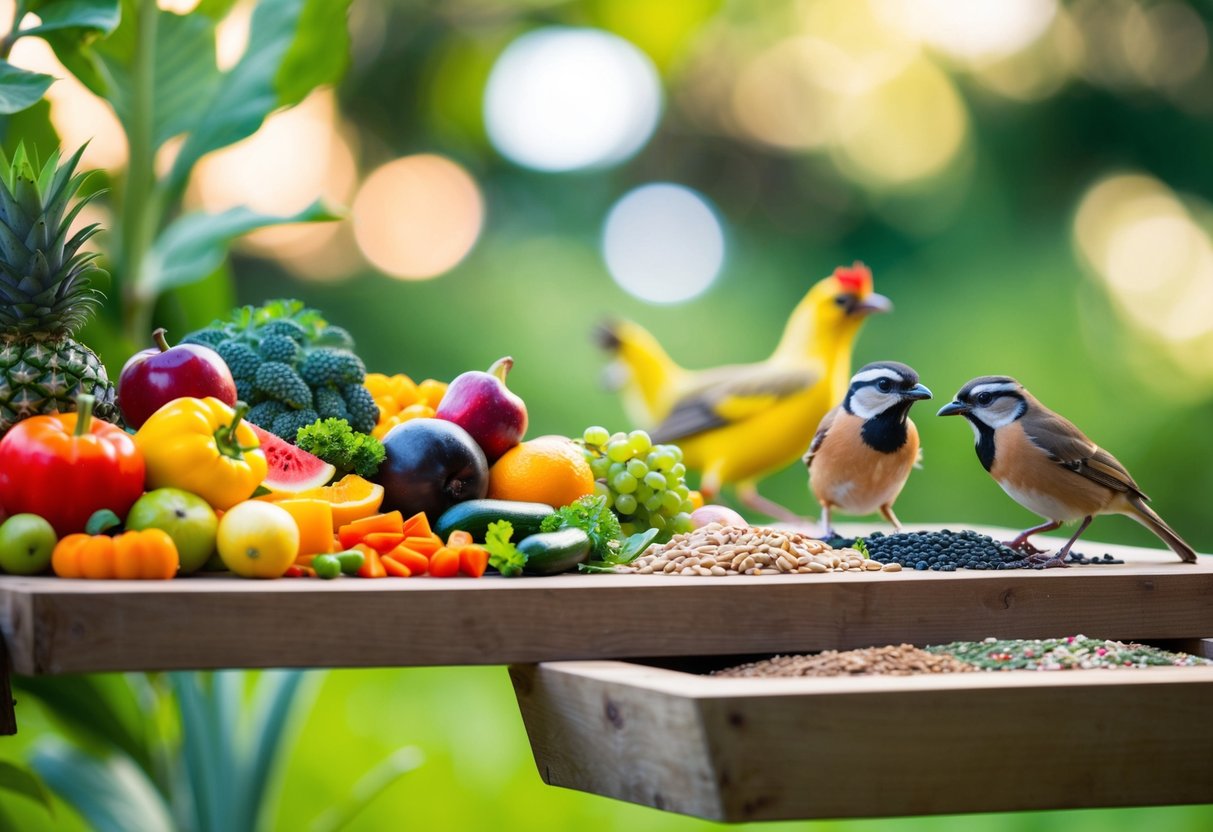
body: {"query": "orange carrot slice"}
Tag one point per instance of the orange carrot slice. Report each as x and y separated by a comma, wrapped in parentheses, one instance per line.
(417, 562)
(351, 533)
(372, 565)
(473, 560)
(425, 545)
(395, 568)
(458, 539)
(445, 563)
(417, 526)
(383, 542)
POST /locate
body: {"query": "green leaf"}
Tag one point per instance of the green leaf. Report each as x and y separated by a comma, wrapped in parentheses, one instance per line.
(374, 783)
(98, 15)
(184, 73)
(320, 53)
(111, 793)
(199, 756)
(632, 546)
(195, 245)
(31, 126)
(20, 88)
(100, 711)
(15, 779)
(285, 36)
(274, 700)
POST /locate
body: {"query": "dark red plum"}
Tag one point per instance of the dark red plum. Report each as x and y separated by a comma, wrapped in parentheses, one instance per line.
(431, 465)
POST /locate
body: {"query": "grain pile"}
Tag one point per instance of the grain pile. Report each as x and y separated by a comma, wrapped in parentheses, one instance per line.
(1069, 653)
(900, 660)
(717, 550)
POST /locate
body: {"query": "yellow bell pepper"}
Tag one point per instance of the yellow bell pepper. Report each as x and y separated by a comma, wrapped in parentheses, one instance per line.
(201, 446)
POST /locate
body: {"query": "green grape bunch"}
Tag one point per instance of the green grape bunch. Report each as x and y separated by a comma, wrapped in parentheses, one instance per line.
(644, 484)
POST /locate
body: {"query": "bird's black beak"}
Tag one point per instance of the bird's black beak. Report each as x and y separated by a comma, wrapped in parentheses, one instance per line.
(954, 409)
(873, 304)
(916, 393)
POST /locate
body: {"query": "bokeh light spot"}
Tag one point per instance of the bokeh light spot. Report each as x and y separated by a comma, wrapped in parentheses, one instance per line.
(561, 99)
(418, 216)
(975, 31)
(663, 243)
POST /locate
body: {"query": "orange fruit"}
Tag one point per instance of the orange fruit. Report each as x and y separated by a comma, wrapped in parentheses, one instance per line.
(352, 498)
(550, 469)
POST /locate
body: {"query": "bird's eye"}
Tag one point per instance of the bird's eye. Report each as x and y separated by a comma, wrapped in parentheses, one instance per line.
(984, 398)
(842, 300)
(884, 385)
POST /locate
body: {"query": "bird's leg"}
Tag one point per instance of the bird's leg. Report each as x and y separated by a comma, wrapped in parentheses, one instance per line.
(827, 528)
(1060, 558)
(747, 493)
(887, 511)
(1021, 544)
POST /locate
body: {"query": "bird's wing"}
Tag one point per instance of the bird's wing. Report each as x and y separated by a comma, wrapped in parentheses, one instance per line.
(819, 437)
(728, 395)
(1070, 448)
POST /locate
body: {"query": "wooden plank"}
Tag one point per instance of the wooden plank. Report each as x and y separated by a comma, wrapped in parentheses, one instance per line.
(53, 626)
(782, 749)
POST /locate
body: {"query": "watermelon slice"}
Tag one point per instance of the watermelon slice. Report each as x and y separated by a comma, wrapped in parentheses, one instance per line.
(291, 469)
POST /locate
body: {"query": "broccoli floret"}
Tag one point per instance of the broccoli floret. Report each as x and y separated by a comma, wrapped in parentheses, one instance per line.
(245, 391)
(240, 359)
(280, 348)
(335, 336)
(288, 424)
(328, 366)
(364, 413)
(280, 381)
(329, 404)
(206, 337)
(333, 441)
(263, 415)
(294, 330)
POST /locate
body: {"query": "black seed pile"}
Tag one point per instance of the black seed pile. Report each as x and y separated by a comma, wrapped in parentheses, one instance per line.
(942, 551)
(947, 551)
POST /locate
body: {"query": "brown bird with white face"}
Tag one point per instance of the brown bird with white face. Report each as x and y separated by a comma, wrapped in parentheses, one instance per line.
(1050, 467)
(865, 447)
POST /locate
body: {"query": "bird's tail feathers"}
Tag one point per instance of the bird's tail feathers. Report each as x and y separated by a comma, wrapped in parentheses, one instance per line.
(1145, 515)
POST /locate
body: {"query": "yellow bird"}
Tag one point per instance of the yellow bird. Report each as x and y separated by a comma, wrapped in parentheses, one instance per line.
(738, 423)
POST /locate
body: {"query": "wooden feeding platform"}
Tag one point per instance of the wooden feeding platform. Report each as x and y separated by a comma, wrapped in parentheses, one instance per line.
(729, 749)
(746, 749)
(52, 625)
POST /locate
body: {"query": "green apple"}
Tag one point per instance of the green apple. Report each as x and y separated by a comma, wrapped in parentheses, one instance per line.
(187, 518)
(26, 543)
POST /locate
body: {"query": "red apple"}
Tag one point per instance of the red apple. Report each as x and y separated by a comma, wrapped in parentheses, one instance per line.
(153, 377)
(481, 404)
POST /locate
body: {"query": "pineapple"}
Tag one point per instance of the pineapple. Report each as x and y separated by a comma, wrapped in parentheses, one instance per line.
(45, 293)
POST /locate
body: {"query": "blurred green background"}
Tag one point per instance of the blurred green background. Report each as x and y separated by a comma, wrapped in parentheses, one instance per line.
(1027, 180)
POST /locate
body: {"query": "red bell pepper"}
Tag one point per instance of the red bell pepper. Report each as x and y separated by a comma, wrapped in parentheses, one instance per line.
(66, 466)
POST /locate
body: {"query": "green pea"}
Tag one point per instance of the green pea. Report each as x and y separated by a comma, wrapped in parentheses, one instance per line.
(326, 566)
(351, 561)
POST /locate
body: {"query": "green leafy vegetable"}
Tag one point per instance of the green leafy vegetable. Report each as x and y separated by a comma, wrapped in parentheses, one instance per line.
(591, 515)
(861, 547)
(503, 555)
(334, 441)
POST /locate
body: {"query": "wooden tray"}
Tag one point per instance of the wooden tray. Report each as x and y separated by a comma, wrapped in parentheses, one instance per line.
(768, 749)
(51, 625)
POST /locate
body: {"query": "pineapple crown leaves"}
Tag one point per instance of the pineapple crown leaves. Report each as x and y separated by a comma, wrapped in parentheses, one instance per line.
(44, 277)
